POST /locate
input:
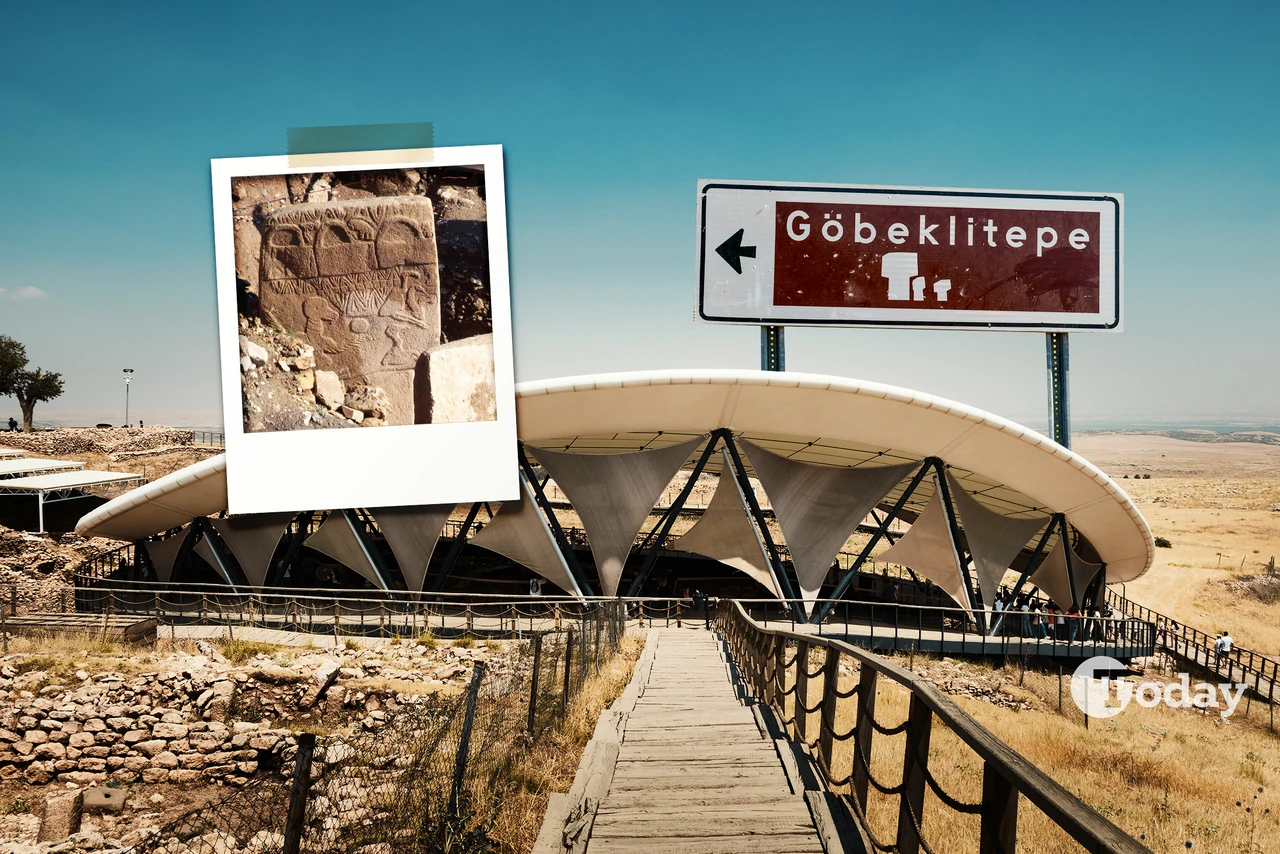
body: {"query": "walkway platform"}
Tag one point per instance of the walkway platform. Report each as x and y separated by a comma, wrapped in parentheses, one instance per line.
(694, 773)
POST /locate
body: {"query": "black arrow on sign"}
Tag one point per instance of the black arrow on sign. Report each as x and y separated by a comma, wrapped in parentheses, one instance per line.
(732, 251)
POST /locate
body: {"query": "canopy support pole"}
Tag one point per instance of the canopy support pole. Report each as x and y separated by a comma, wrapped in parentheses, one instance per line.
(446, 566)
(781, 581)
(219, 552)
(570, 557)
(843, 586)
(361, 533)
(962, 559)
(673, 513)
(1027, 571)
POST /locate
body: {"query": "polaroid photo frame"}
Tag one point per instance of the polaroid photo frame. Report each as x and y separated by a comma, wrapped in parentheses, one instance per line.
(364, 326)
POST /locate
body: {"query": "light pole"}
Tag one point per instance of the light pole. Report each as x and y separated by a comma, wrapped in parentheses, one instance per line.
(128, 378)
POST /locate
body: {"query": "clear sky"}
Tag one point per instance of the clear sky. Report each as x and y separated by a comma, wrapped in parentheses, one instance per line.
(609, 113)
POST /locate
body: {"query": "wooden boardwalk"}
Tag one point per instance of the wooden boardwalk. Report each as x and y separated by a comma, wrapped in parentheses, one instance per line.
(694, 772)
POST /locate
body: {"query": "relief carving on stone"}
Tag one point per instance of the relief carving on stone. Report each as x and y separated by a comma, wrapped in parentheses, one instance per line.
(360, 280)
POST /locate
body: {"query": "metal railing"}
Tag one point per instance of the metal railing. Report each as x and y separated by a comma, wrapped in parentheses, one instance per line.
(122, 564)
(1197, 646)
(781, 679)
(366, 613)
(208, 438)
(890, 625)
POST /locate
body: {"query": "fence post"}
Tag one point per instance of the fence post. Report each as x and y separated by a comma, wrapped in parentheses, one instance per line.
(862, 737)
(779, 673)
(802, 689)
(533, 681)
(295, 822)
(830, 699)
(568, 673)
(464, 741)
(471, 624)
(999, 814)
(916, 754)
(599, 630)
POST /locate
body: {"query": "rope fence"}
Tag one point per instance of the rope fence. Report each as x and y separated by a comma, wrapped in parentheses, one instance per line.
(840, 732)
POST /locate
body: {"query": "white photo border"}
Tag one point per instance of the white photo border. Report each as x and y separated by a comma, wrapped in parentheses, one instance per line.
(417, 464)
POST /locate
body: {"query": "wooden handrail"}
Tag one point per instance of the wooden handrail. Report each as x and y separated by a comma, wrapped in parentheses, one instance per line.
(758, 647)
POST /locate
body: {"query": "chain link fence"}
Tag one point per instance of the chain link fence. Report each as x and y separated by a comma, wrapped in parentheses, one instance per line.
(432, 778)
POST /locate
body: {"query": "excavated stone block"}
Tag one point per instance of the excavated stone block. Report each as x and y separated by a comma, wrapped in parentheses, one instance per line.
(62, 814)
(459, 383)
(103, 800)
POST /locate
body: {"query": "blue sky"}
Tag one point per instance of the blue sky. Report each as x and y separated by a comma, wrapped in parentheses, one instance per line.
(609, 114)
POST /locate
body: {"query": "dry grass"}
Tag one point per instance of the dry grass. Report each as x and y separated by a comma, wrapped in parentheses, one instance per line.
(552, 762)
(1167, 776)
(240, 651)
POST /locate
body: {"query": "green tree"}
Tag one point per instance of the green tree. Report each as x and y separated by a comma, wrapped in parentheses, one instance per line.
(13, 359)
(31, 388)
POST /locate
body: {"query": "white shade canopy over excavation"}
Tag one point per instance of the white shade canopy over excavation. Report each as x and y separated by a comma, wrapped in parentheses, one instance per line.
(819, 507)
(826, 422)
(927, 547)
(613, 494)
(519, 532)
(253, 540)
(412, 534)
(994, 539)
(726, 533)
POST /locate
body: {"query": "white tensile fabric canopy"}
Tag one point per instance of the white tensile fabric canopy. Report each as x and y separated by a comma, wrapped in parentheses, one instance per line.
(809, 418)
(520, 533)
(1052, 576)
(819, 507)
(412, 534)
(199, 489)
(613, 495)
(994, 539)
(726, 533)
(253, 540)
(163, 552)
(337, 538)
(928, 548)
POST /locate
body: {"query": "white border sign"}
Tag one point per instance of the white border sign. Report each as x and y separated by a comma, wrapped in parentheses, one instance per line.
(388, 465)
(851, 255)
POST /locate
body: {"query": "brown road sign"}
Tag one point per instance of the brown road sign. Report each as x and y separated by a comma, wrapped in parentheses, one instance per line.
(842, 255)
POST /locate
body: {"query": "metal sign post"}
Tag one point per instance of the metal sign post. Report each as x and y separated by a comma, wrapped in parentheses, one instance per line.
(1059, 388)
(773, 354)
